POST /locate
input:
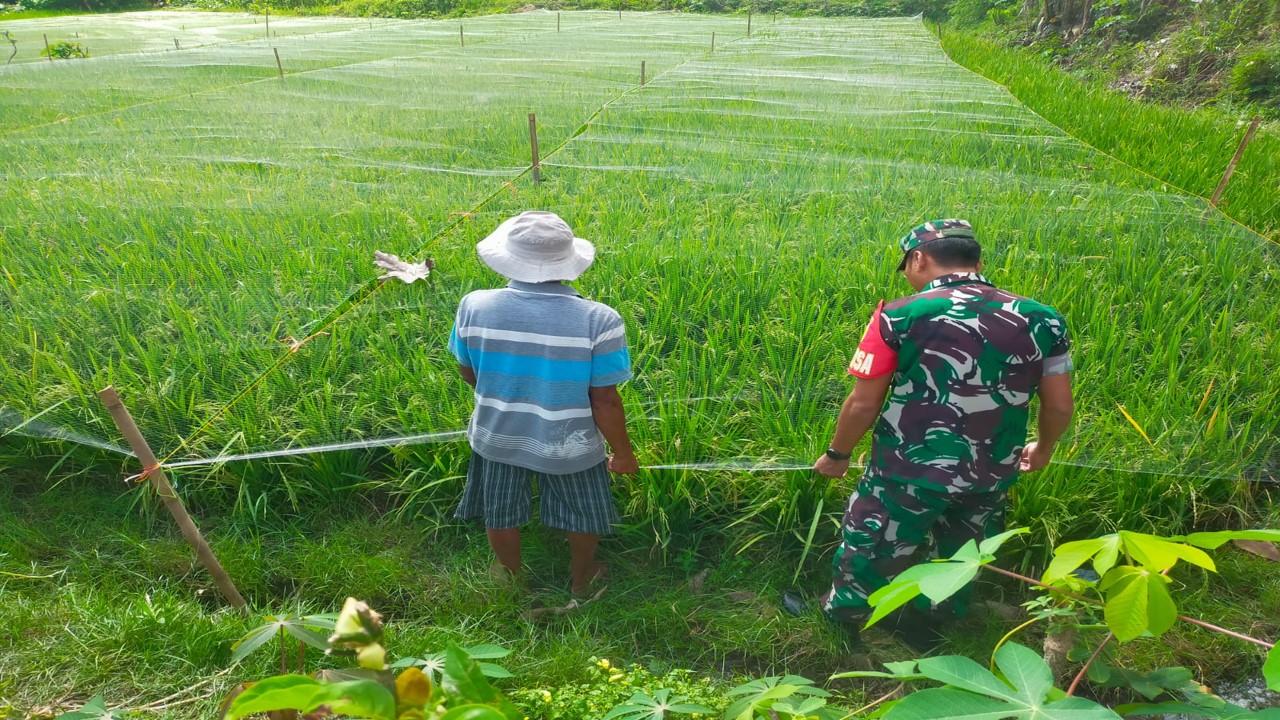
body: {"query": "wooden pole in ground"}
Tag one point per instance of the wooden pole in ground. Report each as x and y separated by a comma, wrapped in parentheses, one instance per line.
(47, 51)
(171, 502)
(1235, 160)
(462, 40)
(279, 65)
(533, 147)
(268, 22)
(176, 46)
(748, 23)
(713, 41)
(619, 10)
(642, 72)
(557, 22)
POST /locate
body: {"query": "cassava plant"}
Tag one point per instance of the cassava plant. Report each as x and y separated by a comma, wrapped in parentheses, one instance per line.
(302, 628)
(1128, 589)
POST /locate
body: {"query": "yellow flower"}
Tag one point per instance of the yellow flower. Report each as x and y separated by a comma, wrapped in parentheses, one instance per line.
(546, 696)
(604, 663)
(413, 687)
(615, 677)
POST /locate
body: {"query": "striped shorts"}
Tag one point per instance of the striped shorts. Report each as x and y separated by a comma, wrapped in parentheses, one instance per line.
(502, 495)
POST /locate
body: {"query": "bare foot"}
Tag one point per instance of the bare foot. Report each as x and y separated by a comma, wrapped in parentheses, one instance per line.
(504, 578)
(584, 589)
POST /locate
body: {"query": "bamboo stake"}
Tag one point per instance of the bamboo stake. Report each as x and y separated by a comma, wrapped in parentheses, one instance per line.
(557, 22)
(713, 41)
(642, 72)
(279, 65)
(176, 46)
(1235, 160)
(47, 51)
(461, 39)
(171, 501)
(619, 9)
(748, 23)
(533, 146)
(268, 22)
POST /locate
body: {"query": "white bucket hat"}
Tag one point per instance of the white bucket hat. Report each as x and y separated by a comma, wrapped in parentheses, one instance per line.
(536, 246)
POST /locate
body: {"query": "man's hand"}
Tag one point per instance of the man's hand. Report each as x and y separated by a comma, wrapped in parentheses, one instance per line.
(1035, 456)
(623, 464)
(406, 272)
(831, 468)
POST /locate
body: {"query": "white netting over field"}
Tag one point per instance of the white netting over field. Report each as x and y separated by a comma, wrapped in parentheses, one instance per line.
(174, 219)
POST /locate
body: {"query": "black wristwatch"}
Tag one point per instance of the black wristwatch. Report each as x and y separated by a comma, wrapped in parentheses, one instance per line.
(837, 455)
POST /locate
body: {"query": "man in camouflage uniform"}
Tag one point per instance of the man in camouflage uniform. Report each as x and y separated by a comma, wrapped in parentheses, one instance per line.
(946, 375)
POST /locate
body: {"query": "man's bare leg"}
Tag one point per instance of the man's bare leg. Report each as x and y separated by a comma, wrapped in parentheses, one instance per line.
(582, 557)
(506, 545)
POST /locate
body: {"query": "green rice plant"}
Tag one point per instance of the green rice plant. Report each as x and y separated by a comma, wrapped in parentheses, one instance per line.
(1144, 136)
(213, 228)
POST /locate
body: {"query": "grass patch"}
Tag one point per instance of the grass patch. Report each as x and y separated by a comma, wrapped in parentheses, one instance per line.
(129, 614)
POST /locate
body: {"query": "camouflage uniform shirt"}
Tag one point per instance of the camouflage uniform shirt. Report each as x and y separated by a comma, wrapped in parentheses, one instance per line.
(967, 358)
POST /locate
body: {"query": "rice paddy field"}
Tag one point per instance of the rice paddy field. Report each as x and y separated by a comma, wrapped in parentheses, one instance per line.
(175, 221)
(182, 223)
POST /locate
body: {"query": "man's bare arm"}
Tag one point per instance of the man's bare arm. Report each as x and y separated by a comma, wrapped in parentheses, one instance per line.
(857, 415)
(468, 374)
(1056, 408)
(607, 411)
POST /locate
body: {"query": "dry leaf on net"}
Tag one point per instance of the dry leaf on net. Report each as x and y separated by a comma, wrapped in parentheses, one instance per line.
(406, 272)
(1260, 548)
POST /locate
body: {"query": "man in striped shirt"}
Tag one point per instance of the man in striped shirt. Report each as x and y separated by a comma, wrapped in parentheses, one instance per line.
(545, 364)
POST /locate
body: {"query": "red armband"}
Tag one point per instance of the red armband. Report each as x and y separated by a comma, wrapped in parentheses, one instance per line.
(874, 357)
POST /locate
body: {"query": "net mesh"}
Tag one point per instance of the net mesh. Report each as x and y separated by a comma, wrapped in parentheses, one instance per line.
(189, 227)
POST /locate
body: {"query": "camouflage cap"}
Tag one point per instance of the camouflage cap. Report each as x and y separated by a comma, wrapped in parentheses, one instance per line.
(930, 231)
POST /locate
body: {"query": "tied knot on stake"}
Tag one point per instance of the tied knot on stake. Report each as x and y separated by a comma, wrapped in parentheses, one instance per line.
(406, 272)
(142, 476)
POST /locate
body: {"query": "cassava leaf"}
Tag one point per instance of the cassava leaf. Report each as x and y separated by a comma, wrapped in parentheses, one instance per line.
(1213, 540)
(973, 693)
(486, 652)
(283, 692)
(1137, 601)
(903, 671)
(993, 543)
(473, 712)
(95, 709)
(890, 598)
(255, 639)
(1160, 554)
(357, 698)
(1067, 557)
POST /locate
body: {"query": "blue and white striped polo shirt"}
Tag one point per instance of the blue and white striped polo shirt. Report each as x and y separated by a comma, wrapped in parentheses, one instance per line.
(536, 349)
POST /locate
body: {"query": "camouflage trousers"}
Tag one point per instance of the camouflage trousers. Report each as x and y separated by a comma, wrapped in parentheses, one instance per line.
(887, 522)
